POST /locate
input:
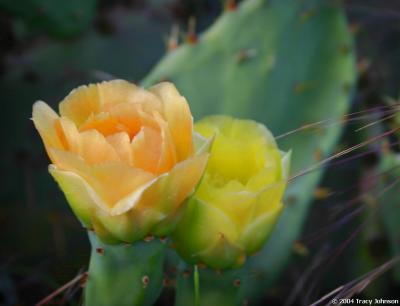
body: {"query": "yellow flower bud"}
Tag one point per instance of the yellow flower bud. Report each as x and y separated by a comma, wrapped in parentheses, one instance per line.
(123, 156)
(238, 201)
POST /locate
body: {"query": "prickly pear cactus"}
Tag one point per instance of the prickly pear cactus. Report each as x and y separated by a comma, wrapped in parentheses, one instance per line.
(124, 275)
(284, 63)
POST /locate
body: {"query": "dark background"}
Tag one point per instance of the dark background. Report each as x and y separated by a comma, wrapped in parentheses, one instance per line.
(49, 47)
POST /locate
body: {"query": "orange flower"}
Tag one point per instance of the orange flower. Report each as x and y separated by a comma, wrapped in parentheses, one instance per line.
(123, 156)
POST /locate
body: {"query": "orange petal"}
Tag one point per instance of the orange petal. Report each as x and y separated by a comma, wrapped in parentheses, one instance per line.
(132, 117)
(88, 207)
(90, 145)
(110, 181)
(122, 145)
(169, 193)
(70, 134)
(185, 176)
(168, 153)
(95, 149)
(115, 181)
(87, 100)
(104, 123)
(146, 149)
(120, 91)
(80, 104)
(177, 113)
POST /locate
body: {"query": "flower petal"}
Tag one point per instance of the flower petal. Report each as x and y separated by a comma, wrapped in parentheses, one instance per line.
(206, 225)
(178, 185)
(110, 181)
(167, 192)
(120, 91)
(241, 148)
(70, 134)
(254, 236)
(286, 158)
(76, 193)
(84, 101)
(133, 117)
(122, 145)
(80, 104)
(94, 148)
(202, 144)
(269, 198)
(232, 199)
(146, 149)
(135, 215)
(90, 145)
(104, 123)
(80, 196)
(222, 254)
(177, 113)
(44, 119)
(167, 153)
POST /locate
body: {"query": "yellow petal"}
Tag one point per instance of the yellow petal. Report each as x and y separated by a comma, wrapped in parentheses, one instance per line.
(269, 198)
(257, 232)
(125, 227)
(241, 148)
(263, 178)
(222, 254)
(177, 113)
(233, 199)
(76, 193)
(44, 119)
(202, 144)
(205, 225)
(238, 200)
(81, 198)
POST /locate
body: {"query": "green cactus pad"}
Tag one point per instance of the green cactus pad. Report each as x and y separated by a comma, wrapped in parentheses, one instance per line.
(124, 275)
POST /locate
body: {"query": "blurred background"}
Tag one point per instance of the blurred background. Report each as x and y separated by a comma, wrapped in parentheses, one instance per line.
(48, 47)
